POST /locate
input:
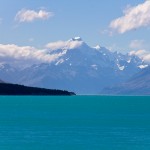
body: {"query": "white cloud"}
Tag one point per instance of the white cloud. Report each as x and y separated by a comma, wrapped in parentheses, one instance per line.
(56, 45)
(25, 15)
(139, 53)
(134, 18)
(64, 45)
(28, 55)
(137, 44)
(12, 53)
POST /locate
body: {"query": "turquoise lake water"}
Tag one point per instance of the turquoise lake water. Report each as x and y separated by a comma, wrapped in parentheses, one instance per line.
(75, 123)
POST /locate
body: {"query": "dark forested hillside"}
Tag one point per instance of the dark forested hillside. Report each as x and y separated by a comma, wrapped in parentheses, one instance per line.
(14, 89)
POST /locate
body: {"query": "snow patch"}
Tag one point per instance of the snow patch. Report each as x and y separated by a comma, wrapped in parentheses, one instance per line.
(78, 38)
(94, 67)
(97, 47)
(128, 61)
(121, 67)
(59, 62)
(143, 66)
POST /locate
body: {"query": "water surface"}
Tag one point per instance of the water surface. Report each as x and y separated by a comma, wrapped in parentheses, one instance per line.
(74, 123)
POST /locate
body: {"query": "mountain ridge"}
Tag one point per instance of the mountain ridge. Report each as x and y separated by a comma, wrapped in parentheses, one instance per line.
(138, 84)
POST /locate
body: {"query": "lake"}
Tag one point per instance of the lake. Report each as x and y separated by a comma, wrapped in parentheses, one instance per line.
(74, 123)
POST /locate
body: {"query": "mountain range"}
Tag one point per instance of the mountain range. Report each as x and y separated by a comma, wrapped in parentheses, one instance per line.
(80, 68)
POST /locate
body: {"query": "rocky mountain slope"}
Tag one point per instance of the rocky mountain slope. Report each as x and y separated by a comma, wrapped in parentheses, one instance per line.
(139, 84)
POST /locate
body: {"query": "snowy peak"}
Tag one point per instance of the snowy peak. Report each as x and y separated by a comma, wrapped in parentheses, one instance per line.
(79, 54)
(77, 39)
(76, 53)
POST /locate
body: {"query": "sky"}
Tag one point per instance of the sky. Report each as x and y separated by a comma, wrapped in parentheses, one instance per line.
(121, 25)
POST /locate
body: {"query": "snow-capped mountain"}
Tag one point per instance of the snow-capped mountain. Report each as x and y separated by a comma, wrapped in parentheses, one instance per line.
(79, 68)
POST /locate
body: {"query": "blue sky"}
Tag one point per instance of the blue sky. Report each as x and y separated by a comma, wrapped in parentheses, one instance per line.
(67, 18)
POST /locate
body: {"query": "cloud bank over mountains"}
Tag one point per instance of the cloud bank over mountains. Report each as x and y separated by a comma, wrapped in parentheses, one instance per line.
(25, 54)
(133, 18)
(30, 55)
